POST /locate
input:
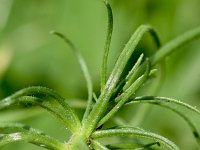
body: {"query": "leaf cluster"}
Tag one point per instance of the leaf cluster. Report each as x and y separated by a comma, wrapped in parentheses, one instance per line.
(117, 90)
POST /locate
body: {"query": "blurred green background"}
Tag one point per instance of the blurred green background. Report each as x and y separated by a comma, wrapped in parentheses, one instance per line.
(29, 55)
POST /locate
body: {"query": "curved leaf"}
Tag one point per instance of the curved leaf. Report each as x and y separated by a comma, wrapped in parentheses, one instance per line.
(187, 119)
(136, 133)
(101, 106)
(47, 99)
(27, 134)
(98, 146)
(121, 100)
(30, 137)
(157, 99)
(107, 44)
(133, 146)
(84, 69)
(130, 78)
(171, 46)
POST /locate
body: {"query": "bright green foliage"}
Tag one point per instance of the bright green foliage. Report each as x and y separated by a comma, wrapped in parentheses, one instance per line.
(107, 45)
(116, 91)
(27, 134)
(134, 132)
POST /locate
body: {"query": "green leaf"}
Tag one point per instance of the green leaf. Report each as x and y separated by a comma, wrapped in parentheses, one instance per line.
(101, 106)
(160, 101)
(31, 137)
(176, 43)
(84, 69)
(171, 46)
(157, 99)
(131, 77)
(132, 146)
(187, 120)
(121, 100)
(107, 44)
(136, 133)
(98, 146)
(95, 97)
(47, 99)
(27, 134)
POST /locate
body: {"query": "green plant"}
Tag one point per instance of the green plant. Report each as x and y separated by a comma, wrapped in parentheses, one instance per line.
(116, 91)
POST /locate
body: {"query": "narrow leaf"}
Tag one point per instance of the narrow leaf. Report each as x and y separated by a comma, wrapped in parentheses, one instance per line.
(125, 96)
(157, 99)
(136, 133)
(187, 120)
(95, 97)
(176, 43)
(131, 75)
(84, 69)
(101, 106)
(98, 146)
(31, 137)
(48, 99)
(182, 115)
(136, 84)
(135, 146)
(11, 133)
(54, 108)
(107, 44)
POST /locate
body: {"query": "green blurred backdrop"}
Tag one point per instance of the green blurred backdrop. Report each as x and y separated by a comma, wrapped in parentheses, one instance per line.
(29, 55)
